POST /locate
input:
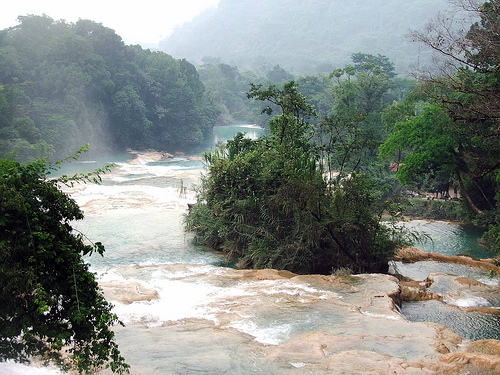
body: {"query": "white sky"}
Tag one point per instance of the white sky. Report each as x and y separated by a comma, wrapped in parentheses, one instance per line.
(143, 21)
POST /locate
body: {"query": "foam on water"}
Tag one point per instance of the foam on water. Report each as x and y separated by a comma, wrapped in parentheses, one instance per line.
(298, 364)
(264, 309)
(383, 316)
(470, 302)
(178, 299)
(11, 368)
(138, 216)
(159, 195)
(273, 335)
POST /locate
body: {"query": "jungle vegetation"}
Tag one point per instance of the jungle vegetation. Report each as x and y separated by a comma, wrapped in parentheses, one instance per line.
(51, 306)
(267, 202)
(63, 85)
(443, 134)
(343, 148)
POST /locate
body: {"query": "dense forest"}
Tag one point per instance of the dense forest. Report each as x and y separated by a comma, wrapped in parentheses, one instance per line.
(305, 37)
(279, 202)
(63, 85)
(345, 148)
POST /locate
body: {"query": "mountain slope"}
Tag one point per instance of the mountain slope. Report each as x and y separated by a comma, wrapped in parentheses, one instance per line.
(303, 36)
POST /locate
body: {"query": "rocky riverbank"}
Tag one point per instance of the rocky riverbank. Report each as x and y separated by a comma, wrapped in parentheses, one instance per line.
(280, 323)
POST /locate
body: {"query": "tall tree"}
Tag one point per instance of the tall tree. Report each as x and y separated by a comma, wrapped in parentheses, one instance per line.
(466, 79)
(465, 104)
(51, 306)
(353, 130)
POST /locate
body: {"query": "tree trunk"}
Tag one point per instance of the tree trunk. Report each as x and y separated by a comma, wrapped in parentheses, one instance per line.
(466, 194)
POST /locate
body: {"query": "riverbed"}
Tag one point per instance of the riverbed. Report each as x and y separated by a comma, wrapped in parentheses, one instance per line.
(187, 312)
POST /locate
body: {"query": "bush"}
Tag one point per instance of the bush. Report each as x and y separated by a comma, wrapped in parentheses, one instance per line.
(437, 210)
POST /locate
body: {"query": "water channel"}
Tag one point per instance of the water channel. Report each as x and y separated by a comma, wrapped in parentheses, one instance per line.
(137, 213)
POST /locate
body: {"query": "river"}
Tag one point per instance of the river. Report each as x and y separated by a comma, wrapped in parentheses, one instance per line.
(137, 212)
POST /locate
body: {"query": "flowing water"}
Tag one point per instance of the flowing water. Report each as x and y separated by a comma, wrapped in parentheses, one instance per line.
(137, 212)
(453, 239)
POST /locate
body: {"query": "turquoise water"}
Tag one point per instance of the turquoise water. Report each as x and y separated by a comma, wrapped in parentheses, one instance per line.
(137, 212)
(142, 223)
(450, 239)
(86, 165)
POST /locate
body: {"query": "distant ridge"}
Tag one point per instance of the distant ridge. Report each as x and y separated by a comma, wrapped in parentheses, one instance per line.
(303, 36)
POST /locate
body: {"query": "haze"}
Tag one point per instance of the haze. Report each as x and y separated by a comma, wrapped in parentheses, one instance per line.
(145, 24)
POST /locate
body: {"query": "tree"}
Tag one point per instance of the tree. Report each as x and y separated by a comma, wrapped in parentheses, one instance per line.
(51, 306)
(353, 130)
(266, 203)
(81, 82)
(458, 132)
(466, 80)
(278, 75)
(291, 125)
(318, 91)
(468, 89)
(387, 66)
(429, 146)
(129, 113)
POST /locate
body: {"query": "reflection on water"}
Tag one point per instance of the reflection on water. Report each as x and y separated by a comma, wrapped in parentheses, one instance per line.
(471, 325)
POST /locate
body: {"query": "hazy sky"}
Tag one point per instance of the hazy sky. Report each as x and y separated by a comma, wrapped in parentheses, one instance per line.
(143, 21)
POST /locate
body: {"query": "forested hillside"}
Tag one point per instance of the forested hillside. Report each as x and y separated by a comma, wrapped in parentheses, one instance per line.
(303, 36)
(263, 200)
(63, 85)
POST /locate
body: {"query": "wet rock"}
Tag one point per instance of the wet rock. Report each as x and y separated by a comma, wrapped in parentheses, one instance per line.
(463, 292)
(414, 254)
(284, 323)
(473, 363)
(417, 291)
(128, 293)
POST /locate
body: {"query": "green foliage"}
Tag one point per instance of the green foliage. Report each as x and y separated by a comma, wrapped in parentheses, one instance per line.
(66, 84)
(438, 210)
(278, 75)
(51, 306)
(491, 222)
(226, 89)
(351, 133)
(266, 202)
(291, 126)
(386, 66)
(428, 138)
(454, 140)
